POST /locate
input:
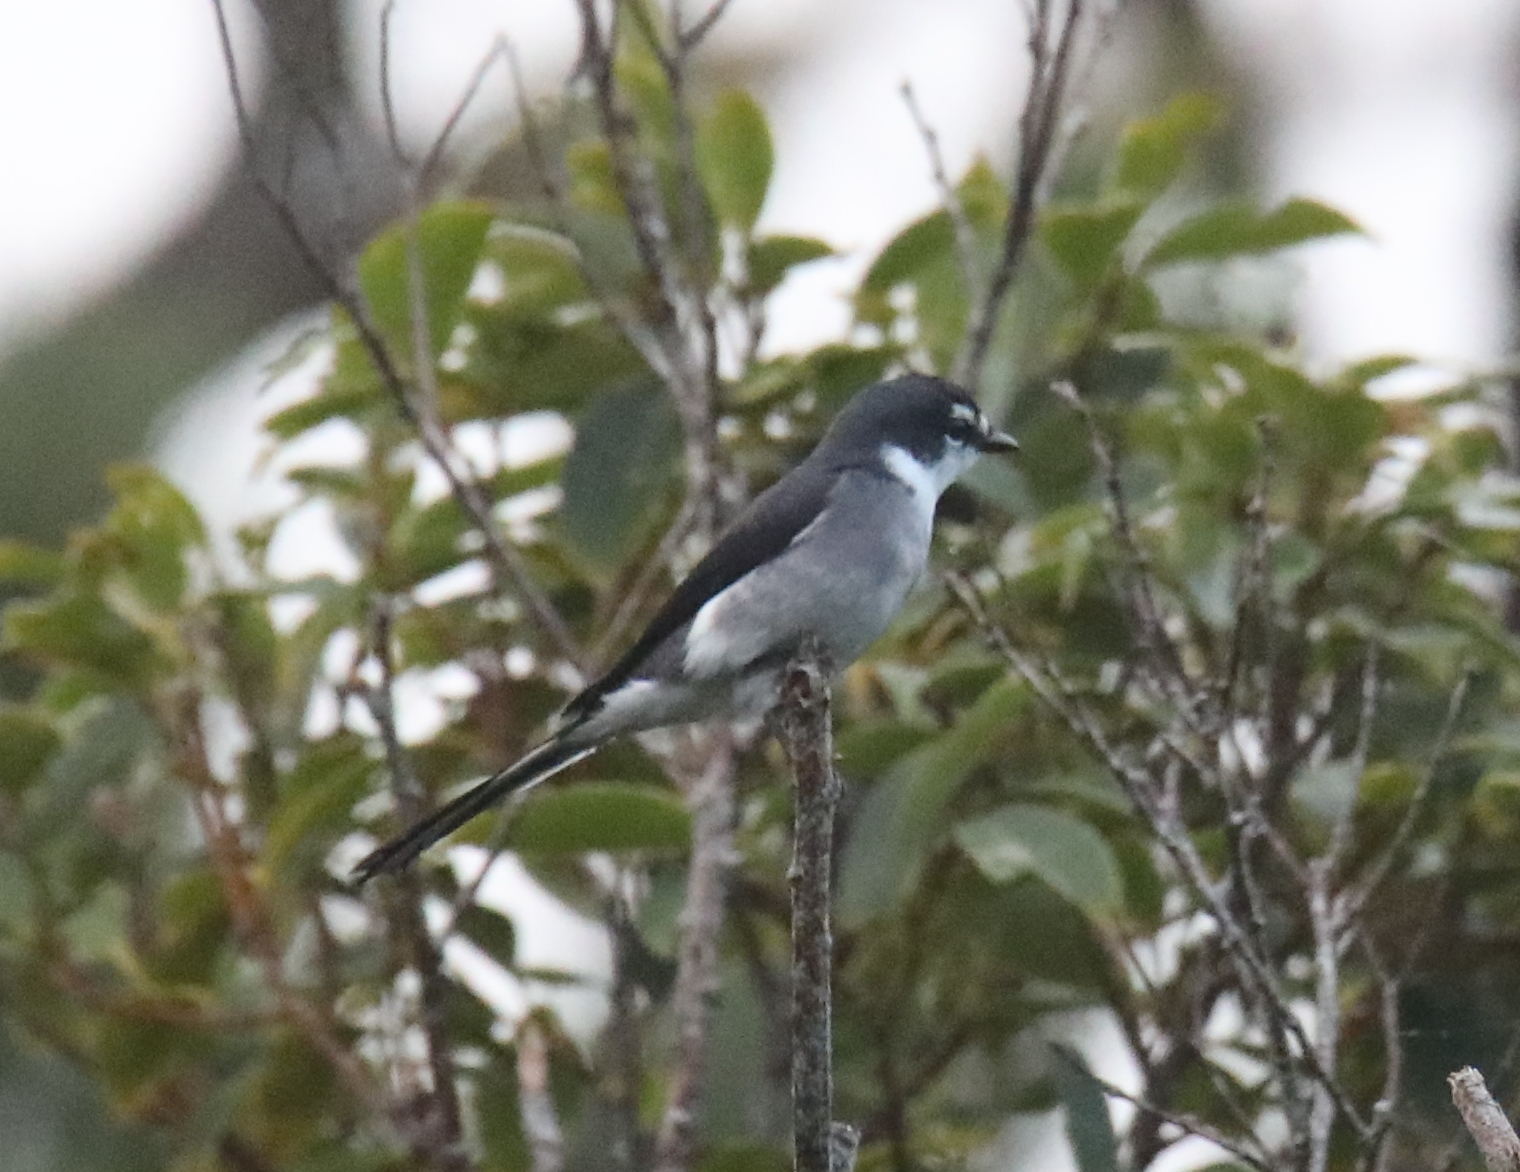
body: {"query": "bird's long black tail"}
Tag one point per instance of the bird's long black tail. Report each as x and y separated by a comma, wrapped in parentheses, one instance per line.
(397, 854)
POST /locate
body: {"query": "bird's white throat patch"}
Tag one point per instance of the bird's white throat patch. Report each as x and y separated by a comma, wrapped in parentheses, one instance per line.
(927, 481)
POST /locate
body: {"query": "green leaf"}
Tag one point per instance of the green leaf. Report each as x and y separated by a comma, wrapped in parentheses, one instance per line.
(27, 742)
(1085, 240)
(18, 895)
(920, 244)
(29, 564)
(600, 816)
(539, 269)
(492, 932)
(157, 527)
(735, 157)
(773, 257)
(743, 1157)
(301, 417)
(449, 240)
(983, 195)
(317, 799)
(503, 1147)
(1234, 229)
(1153, 150)
(1088, 1125)
(868, 747)
(905, 812)
(622, 467)
(79, 630)
(192, 927)
(593, 186)
(1062, 851)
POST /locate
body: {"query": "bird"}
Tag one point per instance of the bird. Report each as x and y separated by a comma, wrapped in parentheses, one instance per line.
(829, 553)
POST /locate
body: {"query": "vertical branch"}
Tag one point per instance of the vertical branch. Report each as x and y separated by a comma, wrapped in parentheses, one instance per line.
(540, 1121)
(621, 1058)
(1049, 70)
(965, 234)
(683, 323)
(808, 733)
(443, 1130)
(710, 797)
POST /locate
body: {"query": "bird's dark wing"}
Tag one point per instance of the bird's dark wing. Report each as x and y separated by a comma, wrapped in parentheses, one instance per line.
(762, 531)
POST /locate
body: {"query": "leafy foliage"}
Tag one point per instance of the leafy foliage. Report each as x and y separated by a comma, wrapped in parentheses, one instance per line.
(199, 765)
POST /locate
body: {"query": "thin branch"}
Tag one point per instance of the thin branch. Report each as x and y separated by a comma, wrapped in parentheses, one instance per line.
(955, 208)
(1327, 1008)
(689, 38)
(637, 596)
(444, 1131)
(1378, 1150)
(1171, 676)
(1355, 897)
(540, 1120)
(252, 924)
(1049, 68)
(1253, 576)
(387, 102)
(620, 1057)
(1185, 1123)
(639, 336)
(434, 157)
(683, 322)
(1340, 832)
(710, 797)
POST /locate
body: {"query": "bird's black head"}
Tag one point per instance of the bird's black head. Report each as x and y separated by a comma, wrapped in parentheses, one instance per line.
(934, 421)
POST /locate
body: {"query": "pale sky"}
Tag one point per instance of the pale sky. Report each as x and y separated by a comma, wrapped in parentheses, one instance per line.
(1402, 112)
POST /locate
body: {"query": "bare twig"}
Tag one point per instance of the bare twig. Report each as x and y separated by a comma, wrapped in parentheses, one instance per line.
(1326, 926)
(710, 798)
(1253, 576)
(844, 1146)
(1164, 819)
(1164, 661)
(689, 38)
(434, 157)
(1049, 66)
(620, 1059)
(807, 730)
(1340, 831)
(966, 252)
(1485, 1121)
(1355, 897)
(387, 102)
(637, 596)
(1185, 1123)
(540, 1120)
(1378, 1149)
(443, 1130)
(682, 322)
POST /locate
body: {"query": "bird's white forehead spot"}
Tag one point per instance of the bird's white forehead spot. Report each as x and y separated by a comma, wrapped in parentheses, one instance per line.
(966, 413)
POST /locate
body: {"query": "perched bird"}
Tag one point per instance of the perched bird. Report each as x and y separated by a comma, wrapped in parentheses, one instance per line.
(829, 551)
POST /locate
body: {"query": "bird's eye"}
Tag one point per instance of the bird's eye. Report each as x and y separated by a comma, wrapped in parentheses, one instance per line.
(964, 430)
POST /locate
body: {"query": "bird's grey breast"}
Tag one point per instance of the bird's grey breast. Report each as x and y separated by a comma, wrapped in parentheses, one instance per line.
(842, 579)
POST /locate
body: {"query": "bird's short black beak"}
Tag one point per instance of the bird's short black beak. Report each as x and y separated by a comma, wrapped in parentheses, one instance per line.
(998, 441)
